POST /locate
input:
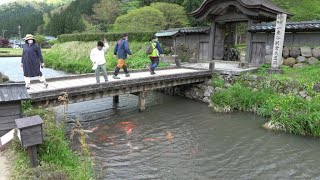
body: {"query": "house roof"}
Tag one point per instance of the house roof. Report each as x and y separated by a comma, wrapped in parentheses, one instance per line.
(304, 26)
(256, 9)
(13, 92)
(183, 31)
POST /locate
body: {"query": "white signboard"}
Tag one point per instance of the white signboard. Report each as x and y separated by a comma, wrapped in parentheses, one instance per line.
(278, 40)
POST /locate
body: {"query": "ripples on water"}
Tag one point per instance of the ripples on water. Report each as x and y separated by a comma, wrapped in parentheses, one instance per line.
(181, 139)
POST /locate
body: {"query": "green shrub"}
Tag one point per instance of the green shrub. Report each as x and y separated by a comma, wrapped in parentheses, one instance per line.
(86, 37)
(295, 114)
(74, 56)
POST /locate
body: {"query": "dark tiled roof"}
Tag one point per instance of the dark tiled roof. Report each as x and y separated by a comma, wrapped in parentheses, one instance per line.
(13, 92)
(306, 26)
(265, 8)
(182, 31)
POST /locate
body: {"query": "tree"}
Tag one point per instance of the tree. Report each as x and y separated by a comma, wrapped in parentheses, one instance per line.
(140, 20)
(4, 43)
(191, 5)
(106, 11)
(175, 14)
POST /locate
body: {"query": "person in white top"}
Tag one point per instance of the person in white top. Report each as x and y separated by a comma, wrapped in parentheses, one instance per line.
(98, 59)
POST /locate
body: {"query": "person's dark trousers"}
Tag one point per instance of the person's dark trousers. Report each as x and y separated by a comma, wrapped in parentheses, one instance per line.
(116, 71)
(125, 69)
(154, 63)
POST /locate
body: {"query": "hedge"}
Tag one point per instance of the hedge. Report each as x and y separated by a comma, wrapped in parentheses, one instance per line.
(135, 36)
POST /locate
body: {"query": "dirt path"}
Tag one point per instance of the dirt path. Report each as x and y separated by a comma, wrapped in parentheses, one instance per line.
(4, 169)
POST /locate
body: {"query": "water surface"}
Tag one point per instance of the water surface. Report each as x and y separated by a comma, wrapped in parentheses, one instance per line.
(181, 139)
(10, 66)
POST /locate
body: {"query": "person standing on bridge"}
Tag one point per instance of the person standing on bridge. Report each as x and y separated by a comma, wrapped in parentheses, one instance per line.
(122, 50)
(98, 59)
(31, 61)
(154, 56)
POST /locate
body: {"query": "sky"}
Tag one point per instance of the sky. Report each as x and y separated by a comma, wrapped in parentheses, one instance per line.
(5, 1)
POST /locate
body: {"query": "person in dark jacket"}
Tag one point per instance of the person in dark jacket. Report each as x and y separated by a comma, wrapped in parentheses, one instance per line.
(31, 61)
(154, 56)
(122, 50)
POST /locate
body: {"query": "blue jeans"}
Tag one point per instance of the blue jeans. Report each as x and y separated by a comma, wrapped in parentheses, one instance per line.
(154, 63)
(101, 68)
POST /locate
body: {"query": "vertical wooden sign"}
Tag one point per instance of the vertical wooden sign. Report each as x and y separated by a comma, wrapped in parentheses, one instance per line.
(278, 40)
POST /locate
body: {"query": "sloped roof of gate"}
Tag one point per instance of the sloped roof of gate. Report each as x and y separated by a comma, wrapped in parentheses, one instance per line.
(182, 31)
(263, 9)
(13, 92)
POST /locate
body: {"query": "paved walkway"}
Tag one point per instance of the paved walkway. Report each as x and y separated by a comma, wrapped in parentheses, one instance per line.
(4, 169)
(82, 81)
(224, 67)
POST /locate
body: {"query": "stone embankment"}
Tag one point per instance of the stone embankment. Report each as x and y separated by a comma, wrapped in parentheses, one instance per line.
(298, 57)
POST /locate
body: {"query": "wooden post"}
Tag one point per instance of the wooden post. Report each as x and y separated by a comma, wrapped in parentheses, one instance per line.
(142, 101)
(212, 40)
(33, 156)
(178, 63)
(249, 42)
(211, 67)
(30, 135)
(1, 78)
(115, 99)
(229, 41)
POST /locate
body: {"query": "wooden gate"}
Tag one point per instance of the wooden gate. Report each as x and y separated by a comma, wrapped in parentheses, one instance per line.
(204, 51)
(219, 41)
(258, 53)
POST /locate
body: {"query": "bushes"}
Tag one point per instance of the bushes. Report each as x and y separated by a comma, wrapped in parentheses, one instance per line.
(81, 37)
(133, 36)
(86, 37)
(74, 56)
(292, 112)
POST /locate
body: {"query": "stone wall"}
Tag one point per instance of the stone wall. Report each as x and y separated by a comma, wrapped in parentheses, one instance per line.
(198, 92)
(203, 92)
(297, 57)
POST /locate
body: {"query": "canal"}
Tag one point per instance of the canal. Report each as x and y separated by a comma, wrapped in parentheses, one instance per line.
(177, 138)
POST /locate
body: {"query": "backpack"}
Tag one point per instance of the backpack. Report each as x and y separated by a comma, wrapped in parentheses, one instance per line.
(149, 49)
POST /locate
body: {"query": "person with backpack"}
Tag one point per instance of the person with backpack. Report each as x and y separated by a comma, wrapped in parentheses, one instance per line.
(97, 56)
(154, 51)
(122, 50)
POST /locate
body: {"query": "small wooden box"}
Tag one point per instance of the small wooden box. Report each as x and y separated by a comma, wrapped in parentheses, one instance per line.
(30, 131)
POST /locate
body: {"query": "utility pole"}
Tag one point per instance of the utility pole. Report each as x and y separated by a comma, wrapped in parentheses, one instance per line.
(19, 31)
(3, 31)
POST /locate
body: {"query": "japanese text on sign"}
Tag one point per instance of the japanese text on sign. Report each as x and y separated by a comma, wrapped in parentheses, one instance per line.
(278, 40)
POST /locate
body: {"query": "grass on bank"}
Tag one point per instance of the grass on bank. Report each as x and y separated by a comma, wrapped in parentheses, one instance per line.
(57, 160)
(14, 52)
(306, 75)
(74, 56)
(291, 112)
